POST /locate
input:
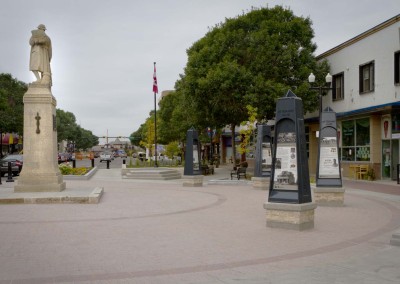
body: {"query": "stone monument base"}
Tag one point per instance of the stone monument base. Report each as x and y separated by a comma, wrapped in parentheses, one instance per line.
(67, 196)
(40, 182)
(193, 181)
(260, 182)
(329, 196)
(290, 216)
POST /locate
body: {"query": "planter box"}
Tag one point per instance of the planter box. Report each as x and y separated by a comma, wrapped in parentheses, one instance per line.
(84, 177)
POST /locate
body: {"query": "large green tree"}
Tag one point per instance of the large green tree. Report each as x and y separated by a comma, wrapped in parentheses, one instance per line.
(251, 59)
(11, 104)
(12, 112)
(175, 118)
(136, 136)
(85, 139)
(69, 130)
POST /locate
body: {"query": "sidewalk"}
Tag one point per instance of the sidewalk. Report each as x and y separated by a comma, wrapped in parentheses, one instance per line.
(380, 186)
(161, 232)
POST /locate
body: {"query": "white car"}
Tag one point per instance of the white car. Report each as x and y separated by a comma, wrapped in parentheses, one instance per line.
(160, 157)
(106, 156)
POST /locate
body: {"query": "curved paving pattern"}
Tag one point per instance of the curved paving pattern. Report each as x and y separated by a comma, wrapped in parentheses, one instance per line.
(219, 199)
(147, 231)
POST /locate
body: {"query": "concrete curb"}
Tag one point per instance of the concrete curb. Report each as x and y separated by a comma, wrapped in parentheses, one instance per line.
(85, 177)
(68, 196)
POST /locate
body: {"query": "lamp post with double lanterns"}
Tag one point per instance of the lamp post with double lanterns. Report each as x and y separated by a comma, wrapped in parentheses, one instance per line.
(321, 88)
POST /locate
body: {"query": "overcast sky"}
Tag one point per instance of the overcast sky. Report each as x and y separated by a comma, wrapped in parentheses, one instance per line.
(103, 51)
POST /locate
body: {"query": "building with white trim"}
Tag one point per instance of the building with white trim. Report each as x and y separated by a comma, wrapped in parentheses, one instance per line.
(366, 97)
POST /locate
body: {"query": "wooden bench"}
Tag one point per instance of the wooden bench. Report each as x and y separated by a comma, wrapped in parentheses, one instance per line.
(206, 170)
(239, 172)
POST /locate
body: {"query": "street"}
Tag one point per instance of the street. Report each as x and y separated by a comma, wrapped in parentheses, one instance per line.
(116, 163)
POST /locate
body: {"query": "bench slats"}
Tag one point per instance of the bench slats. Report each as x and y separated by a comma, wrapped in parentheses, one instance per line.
(239, 172)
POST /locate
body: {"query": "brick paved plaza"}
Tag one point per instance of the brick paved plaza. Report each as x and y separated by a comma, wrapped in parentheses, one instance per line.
(161, 232)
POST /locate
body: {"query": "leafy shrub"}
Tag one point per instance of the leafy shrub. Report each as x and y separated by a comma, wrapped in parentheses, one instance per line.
(67, 169)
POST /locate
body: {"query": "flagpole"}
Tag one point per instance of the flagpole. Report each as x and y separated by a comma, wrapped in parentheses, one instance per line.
(155, 90)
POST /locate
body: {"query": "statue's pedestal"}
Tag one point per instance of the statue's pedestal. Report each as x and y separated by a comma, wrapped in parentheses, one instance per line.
(329, 196)
(260, 182)
(40, 170)
(290, 216)
(193, 181)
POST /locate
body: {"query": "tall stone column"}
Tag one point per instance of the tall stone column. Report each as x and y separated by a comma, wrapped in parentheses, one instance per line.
(40, 170)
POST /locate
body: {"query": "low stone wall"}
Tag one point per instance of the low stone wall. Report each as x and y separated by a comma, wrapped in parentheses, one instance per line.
(85, 177)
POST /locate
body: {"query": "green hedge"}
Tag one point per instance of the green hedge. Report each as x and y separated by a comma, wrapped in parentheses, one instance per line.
(67, 170)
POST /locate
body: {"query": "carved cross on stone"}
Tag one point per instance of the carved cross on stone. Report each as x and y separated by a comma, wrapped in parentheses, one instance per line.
(37, 117)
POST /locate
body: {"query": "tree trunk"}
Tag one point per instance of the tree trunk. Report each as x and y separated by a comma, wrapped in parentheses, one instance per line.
(243, 156)
(233, 144)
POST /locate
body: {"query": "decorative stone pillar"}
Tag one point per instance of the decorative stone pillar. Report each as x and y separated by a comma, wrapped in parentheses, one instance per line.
(260, 182)
(40, 171)
(192, 170)
(193, 181)
(329, 196)
(290, 216)
(290, 203)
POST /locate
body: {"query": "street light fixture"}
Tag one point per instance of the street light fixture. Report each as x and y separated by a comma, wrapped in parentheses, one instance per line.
(327, 87)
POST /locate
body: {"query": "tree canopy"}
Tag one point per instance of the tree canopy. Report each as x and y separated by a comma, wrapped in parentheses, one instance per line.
(249, 60)
(69, 130)
(12, 112)
(175, 118)
(252, 59)
(11, 104)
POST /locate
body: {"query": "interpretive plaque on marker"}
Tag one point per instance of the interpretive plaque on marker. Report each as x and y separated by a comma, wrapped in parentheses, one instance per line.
(328, 165)
(290, 180)
(263, 158)
(192, 155)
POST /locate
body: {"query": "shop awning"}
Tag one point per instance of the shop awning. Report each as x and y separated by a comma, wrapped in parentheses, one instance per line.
(9, 138)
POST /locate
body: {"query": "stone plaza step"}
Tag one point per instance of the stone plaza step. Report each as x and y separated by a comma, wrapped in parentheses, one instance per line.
(150, 173)
(226, 181)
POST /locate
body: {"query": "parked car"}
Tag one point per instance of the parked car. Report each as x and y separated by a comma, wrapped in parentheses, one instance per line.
(64, 157)
(141, 156)
(121, 153)
(106, 156)
(160, 157)
(16, 164)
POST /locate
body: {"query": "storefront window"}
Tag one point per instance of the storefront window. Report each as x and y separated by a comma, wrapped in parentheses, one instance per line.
(348, 133)
(362, 130)
(356, 140)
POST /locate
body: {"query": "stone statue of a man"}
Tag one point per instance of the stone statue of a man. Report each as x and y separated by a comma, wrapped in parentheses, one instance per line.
(40, 55)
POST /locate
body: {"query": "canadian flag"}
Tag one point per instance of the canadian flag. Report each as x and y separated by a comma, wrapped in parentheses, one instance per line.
(155, 87)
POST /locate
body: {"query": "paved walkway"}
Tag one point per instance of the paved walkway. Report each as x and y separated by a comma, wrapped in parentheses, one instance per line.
(161, 232)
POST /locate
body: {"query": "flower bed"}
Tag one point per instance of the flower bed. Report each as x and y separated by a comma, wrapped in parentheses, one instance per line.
(67, 169)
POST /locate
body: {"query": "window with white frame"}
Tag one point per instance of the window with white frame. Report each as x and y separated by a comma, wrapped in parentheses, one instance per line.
(397, 67)
(338, 87)
(367, 77)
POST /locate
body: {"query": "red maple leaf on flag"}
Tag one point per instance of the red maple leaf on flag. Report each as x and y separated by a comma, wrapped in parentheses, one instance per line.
(155, 87)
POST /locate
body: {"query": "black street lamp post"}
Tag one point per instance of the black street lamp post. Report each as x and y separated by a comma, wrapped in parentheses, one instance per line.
(326, 87)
